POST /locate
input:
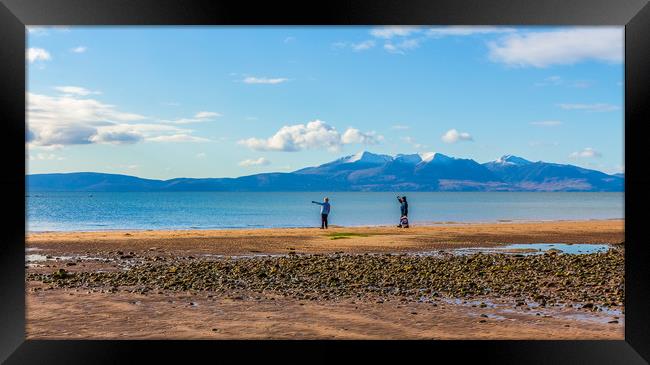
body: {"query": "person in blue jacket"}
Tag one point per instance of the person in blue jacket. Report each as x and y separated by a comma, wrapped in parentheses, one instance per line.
(404, 209)
(324, 211)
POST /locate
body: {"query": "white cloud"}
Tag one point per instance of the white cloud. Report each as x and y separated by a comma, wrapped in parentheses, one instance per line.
(72, 119)
(353, 135)
(257, 162)
(599, 107)
(38, 31)
(72, 109)
(79, 49)
(586, 153)
(563, 47)
(313, 135)
(393, 31)
(453, 136)
(400, 39)
(362, 46)
(289, 39)
(178, 138)
(400, 127)
(44, 31)
(205, 115)
(547, 123)
(412, 142)
(75, 90)
(357, 47)
(201, 155)
(198, 118)
(466, 30)
(559, 81)
(264, 80)
(401, 47)
(116, 136)
(45, 157)
(38, 54)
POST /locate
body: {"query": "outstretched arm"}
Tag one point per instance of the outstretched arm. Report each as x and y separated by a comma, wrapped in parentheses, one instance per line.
(317, 202)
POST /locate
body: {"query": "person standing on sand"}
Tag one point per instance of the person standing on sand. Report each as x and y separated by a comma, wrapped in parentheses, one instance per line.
(404, 210)
(324, 211)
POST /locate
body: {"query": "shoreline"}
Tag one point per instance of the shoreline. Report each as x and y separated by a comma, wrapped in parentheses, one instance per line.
(413, 224)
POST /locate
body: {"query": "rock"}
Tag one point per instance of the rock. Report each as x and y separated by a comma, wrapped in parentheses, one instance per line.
(60, 274)
(588, 278)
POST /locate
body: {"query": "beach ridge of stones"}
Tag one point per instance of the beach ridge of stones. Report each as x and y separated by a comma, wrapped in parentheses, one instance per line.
(592, 280)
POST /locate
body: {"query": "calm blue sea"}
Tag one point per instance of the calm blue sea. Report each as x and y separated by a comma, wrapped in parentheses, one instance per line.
(215, 210)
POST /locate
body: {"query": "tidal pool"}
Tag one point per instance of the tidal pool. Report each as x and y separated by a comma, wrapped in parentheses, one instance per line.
(537, 248)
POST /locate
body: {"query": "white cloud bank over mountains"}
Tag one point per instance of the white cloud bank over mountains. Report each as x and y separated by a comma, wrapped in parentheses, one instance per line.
(72, 118)
(313, 135)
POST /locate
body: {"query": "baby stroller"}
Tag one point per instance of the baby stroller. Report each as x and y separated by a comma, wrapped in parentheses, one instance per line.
(404, 222)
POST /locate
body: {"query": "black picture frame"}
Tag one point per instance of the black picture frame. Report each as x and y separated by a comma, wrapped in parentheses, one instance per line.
(16, 14)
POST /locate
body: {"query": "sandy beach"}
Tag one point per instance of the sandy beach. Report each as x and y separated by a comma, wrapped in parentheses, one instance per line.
(221, 284)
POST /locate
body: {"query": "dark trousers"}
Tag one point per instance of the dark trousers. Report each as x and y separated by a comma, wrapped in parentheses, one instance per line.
(323, 219)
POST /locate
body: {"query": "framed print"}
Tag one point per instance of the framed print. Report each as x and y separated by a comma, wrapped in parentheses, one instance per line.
(455, 177)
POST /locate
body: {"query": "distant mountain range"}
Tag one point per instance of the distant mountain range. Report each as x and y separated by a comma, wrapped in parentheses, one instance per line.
(364, 171)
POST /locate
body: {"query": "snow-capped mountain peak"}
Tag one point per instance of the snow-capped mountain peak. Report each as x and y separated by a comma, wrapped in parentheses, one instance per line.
(428, 157)
(512, 160)
(412, 159)
(365, 156)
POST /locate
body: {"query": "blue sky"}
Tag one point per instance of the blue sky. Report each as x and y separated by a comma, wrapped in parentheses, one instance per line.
(163, 102)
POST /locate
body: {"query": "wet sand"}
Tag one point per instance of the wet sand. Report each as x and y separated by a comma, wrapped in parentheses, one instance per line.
(66, 314)
(54, 312)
